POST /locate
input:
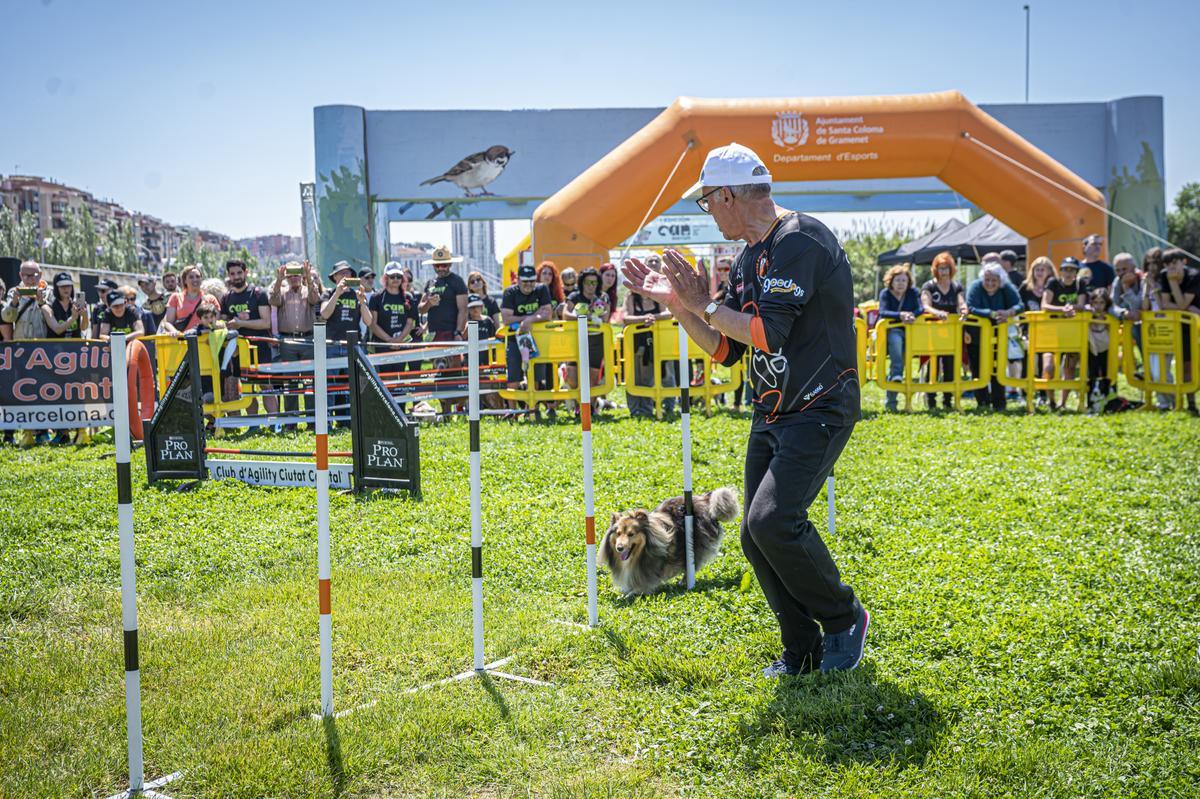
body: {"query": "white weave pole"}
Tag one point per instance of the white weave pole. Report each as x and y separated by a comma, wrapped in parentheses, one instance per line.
(589, 506)
(832, 506)
(476, 493)
(324, 603)
(133, 675)
(685, 407)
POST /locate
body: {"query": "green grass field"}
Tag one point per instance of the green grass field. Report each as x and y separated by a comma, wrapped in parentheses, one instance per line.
(1033, 584)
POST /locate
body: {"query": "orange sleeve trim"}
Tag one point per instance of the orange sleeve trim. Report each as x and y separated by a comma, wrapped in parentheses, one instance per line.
(758, 336)
(722, 350)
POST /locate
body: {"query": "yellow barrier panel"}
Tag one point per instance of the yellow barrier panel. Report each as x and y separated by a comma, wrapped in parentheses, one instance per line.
(665, 343)
(860, 342)
(936, 340)
(1165, 336)
(1060, 337)
(558, 343)
(618, 356)
(169, 352)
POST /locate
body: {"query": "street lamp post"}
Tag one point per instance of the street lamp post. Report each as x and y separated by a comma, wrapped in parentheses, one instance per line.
(1027, 52)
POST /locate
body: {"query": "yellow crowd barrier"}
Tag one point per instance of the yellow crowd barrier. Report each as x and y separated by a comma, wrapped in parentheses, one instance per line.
(665, 343)
(1060, 337)
(860, 342)
(935, 340)
(1165, 336)
(558, 343)
(169, 352)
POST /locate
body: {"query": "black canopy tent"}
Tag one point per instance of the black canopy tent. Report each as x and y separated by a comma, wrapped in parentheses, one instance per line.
(966, 243)
(904, 253)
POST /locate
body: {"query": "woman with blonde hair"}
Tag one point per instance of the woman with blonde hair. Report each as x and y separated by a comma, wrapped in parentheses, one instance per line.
(476, 284)
(898, 301)
(184, 305)
(1031, 291)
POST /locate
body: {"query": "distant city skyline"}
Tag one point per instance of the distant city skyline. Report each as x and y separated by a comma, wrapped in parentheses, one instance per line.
(218, 136)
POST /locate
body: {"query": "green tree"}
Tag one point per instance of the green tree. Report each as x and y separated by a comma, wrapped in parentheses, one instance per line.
(863, 242)
(1183, 224)
(18, 234)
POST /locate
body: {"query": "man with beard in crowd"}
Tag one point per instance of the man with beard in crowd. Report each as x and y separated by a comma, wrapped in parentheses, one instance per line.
(246, 309)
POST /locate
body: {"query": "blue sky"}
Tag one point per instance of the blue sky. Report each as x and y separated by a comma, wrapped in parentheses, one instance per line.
(201, 113)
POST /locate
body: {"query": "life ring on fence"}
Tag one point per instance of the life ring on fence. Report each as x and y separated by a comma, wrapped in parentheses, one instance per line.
(140, 380)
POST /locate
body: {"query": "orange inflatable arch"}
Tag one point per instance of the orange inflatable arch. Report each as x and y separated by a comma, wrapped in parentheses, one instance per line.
(820, 138)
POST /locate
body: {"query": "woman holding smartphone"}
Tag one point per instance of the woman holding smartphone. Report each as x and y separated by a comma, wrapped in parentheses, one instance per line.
(66, 315)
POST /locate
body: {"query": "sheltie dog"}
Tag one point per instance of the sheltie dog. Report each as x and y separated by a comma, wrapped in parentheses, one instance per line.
(644, 549)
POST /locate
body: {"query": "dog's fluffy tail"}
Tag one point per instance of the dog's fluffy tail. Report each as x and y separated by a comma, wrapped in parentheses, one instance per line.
(723, 504)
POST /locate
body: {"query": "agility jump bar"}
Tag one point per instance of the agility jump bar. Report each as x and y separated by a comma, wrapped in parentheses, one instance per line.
(341, 363)
(273, 453)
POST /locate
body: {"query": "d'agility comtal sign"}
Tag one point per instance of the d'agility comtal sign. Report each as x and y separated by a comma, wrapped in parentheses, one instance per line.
(55, 384)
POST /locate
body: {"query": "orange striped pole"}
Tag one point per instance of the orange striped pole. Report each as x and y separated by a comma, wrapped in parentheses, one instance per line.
(324, 603)
(589, 506)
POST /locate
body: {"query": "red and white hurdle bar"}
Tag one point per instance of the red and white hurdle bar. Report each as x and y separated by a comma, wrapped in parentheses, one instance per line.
(133, 679)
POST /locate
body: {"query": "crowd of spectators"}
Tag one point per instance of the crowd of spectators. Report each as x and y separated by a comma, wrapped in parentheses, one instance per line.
(280, 317)
(1119, 291)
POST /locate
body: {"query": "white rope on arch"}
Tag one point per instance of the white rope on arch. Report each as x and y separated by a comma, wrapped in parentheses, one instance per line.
(658, 197)
(966, 135)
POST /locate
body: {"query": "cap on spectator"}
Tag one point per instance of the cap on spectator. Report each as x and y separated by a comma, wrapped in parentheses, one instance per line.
(145, 279)
(474, 301)
(1069, 263)
(526, 272)
(1008, 255)
(393, 268)
(63, 279)
(368, 272)
(106, 285)
(116, 299)
(733, 165)
(342, 266)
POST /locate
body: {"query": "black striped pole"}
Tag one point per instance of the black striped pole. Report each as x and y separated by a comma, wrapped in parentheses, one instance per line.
(685, 412)
(133, 681)
(476, 494)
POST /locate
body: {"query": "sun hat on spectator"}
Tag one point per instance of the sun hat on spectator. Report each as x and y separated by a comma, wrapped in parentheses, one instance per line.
(342, 266)
(442, 255)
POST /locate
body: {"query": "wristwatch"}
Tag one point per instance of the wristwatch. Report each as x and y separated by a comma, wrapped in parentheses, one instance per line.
(709, 310)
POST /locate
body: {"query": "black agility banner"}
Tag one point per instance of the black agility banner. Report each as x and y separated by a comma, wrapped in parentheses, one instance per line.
(385, 440)
(55, 384)
(175, 436)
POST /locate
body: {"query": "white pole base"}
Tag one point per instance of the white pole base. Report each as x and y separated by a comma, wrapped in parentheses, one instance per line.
(147, 790)
(490, 669)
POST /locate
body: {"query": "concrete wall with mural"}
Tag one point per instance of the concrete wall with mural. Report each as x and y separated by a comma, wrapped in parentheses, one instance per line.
(376, 167)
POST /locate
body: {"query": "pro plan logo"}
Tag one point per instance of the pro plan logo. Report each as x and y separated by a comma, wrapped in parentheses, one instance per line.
(779, 285)
(789, 129)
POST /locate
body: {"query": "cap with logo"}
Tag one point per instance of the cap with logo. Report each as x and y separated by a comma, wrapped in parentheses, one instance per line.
(63, 279)
(116, 299)
(526, 272)
(1069, 263)
(474, 301)
(733, 165)
(442, 255)
(368, 272)
(393, 268)
(106, 285)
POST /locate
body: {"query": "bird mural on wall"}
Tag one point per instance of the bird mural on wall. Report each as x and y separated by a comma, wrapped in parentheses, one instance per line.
(476, 171)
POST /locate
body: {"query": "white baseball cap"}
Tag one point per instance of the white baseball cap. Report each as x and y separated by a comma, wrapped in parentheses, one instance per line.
(733, 165)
